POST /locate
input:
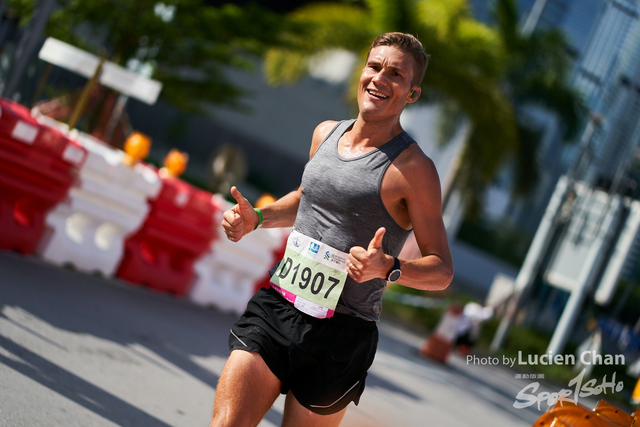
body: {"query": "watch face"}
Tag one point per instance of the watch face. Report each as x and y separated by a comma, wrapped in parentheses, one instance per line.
(395, 275)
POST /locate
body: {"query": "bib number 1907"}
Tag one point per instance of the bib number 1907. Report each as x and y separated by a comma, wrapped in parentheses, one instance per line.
(306, 279)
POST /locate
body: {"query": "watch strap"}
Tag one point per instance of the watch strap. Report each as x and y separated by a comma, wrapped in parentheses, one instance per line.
(396, 266)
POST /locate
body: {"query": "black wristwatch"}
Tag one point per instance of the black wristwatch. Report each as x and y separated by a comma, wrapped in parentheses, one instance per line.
(395, 272)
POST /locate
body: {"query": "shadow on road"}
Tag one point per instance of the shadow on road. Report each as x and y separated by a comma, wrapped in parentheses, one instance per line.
(374, 380)
(489, 388)
(89, 305)
(504, 403)
(175, 331)
(75, 388)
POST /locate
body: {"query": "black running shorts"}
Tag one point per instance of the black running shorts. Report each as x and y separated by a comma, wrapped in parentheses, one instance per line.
(323, 362)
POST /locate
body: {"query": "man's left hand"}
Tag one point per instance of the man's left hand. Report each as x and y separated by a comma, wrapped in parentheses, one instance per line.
(371, 263)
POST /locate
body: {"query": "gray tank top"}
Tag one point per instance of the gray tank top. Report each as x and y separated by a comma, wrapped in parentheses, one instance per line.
(341, 206)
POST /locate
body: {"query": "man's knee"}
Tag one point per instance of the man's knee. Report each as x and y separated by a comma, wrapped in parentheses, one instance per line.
(226, 416)
(246, 390)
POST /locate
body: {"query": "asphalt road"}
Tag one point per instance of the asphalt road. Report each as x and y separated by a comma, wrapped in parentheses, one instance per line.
(77, 350)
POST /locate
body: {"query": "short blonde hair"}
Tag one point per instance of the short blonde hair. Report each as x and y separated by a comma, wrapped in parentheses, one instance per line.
(409, 44)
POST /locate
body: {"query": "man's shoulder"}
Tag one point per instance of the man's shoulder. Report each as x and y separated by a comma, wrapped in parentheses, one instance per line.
(417, 176)
(413, 159)
(320, 133)
(323, 129)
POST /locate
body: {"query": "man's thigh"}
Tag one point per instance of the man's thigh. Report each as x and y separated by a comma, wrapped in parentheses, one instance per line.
(246, 390)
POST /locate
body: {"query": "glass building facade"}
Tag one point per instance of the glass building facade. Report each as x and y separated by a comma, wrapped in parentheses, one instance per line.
(575, 17)
(604, 43)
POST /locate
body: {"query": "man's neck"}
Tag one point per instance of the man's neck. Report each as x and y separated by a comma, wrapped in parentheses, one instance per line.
(374, 133)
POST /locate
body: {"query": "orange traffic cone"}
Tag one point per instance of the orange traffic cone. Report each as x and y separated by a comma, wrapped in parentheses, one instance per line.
(614, 414)
(567, 413)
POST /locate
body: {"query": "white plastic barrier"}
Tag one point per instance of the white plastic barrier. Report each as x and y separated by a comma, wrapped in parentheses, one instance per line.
(227, 276)
(108, 202)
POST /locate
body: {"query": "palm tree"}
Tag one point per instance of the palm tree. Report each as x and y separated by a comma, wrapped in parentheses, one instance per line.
(537, 74)
(486, 75)
(467, 63)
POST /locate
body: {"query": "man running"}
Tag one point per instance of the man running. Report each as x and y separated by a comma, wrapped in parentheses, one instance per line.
(313, 334)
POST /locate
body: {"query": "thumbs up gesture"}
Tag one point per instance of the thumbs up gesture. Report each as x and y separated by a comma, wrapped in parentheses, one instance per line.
(371, 263)
(240, 219)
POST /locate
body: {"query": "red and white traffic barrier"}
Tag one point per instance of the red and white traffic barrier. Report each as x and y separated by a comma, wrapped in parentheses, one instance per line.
(39, 165)
(108, 202)
(179, 230)
(104, 216)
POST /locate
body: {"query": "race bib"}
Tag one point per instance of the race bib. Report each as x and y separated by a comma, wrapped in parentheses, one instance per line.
(311, 275)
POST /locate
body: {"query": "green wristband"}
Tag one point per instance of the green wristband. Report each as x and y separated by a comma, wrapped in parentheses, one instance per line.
(260, 215)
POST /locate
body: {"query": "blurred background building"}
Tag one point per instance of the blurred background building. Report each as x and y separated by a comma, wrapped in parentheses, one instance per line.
(604, 45)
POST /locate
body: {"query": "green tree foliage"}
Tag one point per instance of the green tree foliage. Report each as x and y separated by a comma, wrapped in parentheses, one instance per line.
(188, 51)
(22, 9)
(537, 73)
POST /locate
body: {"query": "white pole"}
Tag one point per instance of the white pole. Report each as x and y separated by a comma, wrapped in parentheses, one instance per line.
(547, 228)
(533, 17)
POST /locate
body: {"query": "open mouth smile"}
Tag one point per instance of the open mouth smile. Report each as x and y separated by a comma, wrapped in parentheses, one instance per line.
(376, 94)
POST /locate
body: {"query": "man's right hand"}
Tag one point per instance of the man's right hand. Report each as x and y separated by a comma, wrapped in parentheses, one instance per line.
(240, 219)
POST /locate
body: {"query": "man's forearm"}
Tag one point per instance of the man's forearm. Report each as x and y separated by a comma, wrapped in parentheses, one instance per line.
(281, 213)
(430, 273)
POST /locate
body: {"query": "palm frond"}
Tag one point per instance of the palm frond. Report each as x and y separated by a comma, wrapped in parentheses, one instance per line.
(556, 96)
(451, 118)
(333, 25)
(285, 66)
(526, 167)
(506, 14)
(391, 16)
(317, 27)
(442, 16)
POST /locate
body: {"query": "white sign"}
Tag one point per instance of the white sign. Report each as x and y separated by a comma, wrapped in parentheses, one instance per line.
(621, 257)
(502, 288)
(113, 76)
(580, 247)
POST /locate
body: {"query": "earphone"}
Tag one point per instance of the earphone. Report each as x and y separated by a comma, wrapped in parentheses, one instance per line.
(413, 94)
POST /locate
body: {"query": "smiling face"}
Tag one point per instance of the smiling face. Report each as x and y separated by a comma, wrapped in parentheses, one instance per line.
(386, 84)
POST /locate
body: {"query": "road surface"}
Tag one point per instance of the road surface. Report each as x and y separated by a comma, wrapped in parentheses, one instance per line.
(78, 350)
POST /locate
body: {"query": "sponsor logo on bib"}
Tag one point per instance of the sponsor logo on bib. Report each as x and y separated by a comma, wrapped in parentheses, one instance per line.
(314, 248)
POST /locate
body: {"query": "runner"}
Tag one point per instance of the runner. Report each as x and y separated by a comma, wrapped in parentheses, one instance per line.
(313, 334)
